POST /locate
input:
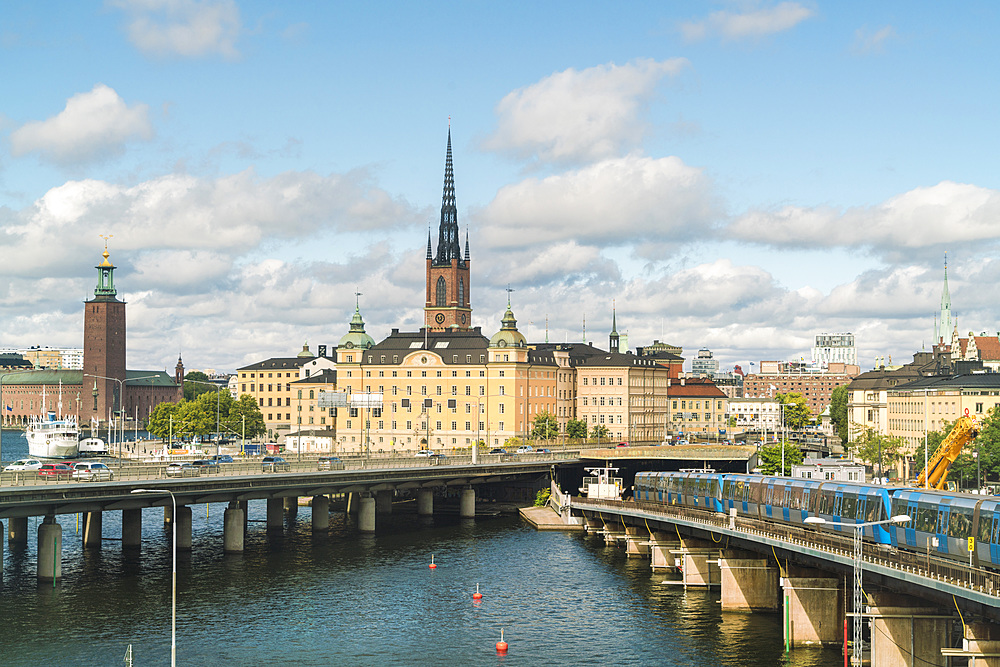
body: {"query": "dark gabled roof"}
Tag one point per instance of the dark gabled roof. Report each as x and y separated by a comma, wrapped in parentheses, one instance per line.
(445, 344)
(327, 376)
(151, 379)
(695, 387)
(277, 364)
(964, 381)
(617, 360)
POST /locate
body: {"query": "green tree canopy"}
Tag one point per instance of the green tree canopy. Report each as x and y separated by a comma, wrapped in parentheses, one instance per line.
(870, 445)
(599, 432)
(838, 411)
(545, 426)
(576, 428)
(200, 416)
(769, 460)
(193, 389)
(796, 412)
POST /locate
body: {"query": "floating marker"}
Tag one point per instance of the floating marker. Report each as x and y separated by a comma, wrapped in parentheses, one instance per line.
(477, 595)
(432, 565)
(501, 645)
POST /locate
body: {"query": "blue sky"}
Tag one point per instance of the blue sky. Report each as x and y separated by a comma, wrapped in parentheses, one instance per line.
(732, 175)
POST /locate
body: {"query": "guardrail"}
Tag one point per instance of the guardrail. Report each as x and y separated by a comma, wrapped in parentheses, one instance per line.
(136, 470)
(927, 566)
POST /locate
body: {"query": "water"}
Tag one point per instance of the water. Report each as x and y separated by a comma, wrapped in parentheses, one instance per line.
(352, 599)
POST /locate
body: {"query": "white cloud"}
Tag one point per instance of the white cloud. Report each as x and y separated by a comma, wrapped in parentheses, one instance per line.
(866, 41)
(620, 201)
(944, 214)
(751, 24)
(579, 115)
(188, 28)
(94, 125)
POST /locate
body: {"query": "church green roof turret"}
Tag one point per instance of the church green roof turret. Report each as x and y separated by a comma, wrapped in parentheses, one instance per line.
(508, 336)
(356, 337)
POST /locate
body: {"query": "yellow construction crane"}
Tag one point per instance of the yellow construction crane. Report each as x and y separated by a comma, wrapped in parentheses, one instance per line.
(962, 432)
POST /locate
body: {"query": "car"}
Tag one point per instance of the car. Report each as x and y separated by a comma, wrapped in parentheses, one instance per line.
(330, 463)
(423, 454)
(182, 469)
(543, 450)
(275, 464)
(25, 464)
(222, 458)
(525, 449)
(622, 444)
(57, 470)
(206, 465)
(498, 450)
(92, 472)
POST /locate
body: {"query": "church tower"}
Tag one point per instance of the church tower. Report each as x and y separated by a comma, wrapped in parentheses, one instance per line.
(447, 305)
(943, 327)
(103, 343)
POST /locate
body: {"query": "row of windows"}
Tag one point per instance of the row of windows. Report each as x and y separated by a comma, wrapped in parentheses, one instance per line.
(252, 375)
(696, 405)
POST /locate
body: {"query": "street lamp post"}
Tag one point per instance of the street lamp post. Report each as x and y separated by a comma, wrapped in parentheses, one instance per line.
(173, 584)
(899, 519)
(782, 410)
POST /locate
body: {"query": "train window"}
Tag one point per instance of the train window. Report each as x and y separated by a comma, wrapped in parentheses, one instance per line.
(960, 522)
(942, 522)
(850, 507)
(926, 519)
(985, 526)
(873, 508)
(837, 502)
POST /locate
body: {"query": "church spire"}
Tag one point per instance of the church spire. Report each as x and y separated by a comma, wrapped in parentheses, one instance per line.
(613, 339)
(448, 244)
(944, 326)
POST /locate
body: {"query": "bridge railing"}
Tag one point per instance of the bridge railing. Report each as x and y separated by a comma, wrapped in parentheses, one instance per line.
(926, 565)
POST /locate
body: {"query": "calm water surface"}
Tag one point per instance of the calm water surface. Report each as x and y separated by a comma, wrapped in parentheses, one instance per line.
(352, 599)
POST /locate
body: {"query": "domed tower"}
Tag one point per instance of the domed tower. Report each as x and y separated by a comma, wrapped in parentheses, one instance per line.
(104, 342)
(447, 304)
(356, 338)
(306, 353)
(508, 336)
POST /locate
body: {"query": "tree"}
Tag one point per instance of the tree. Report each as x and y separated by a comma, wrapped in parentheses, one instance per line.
(576, 428)
(599, 432)
(870, 445)
(193, 389)
(769, 460)
(247, 407)
(160, 418)
(796, 412)
(838, 411)
(545, 426)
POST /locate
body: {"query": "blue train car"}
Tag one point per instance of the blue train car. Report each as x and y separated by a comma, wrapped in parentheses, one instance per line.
(742, 492)
(847, 503)
(789, 500)
(942, 522)
(699, 490)
(650, 486)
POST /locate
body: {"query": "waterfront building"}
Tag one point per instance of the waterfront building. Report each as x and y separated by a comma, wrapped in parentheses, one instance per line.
(103, 388)
(54, 357)
(14, 361)
(696, 407)
(704, 365)
(834, 348)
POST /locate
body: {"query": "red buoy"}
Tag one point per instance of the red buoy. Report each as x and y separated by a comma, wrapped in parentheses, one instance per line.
(477, 595)
(501, 645)
(432, 565)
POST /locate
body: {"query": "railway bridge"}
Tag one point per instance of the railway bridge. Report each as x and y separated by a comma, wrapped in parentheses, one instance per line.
(920, 610)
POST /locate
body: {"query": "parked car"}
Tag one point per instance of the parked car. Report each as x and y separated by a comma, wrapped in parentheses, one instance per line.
(57, 470)
(92, 472)
(206, 465)
(25, 464)
(330, 463)
(222, 458)
(543, 450)
(182, 469)
(275, 464)
(423, 453)
(525, 449)
(498, 450)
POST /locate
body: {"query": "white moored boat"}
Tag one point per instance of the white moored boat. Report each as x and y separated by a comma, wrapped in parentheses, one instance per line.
(52, 438)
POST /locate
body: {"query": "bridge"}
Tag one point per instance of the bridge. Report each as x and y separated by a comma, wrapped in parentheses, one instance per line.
(368, 485)
(912, 600)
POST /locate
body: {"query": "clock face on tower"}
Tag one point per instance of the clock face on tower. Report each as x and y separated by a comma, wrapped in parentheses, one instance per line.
(463, 318)
(439, 318)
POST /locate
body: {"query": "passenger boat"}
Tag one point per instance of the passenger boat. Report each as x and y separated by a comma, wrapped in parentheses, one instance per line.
(52, 438)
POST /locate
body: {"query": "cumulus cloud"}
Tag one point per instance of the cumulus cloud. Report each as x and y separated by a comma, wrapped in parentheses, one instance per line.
(947, 213)
(582, 115)
(94, 125)
(747, 25)
(622, 200)
(867, 41)
(189, 28)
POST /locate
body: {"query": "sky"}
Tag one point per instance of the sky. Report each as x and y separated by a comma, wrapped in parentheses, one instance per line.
(737, 176)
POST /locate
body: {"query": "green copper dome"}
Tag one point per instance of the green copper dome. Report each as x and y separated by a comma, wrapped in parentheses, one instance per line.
(508, 336)
(305, 353)
(357, 337)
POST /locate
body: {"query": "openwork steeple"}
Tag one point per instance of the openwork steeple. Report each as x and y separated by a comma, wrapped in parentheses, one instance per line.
(448, 244)
(943, 327)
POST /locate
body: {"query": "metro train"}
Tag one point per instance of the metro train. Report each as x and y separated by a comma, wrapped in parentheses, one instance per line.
(944, 518)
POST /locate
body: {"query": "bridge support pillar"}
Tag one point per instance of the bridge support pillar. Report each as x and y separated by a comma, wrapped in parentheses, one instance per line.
(132, 529)
(905, 631)
(18, 530)
(92, 528)
(320, 514)
(696, 568)
(383, 501)
(168, 513)
(748, 584)
(233, 529)
(425, 502)
(636, 541)
(1, 551)
(981, 640)
(813, 610)
(275, 519)
(291, 505)
(183, 520)
(467, 503)
(660, 548)
(245, 506)
(353, 502)
(49, 549)
(366, 514)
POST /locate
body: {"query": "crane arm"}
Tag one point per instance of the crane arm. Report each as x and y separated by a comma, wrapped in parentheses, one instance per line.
(936, 472)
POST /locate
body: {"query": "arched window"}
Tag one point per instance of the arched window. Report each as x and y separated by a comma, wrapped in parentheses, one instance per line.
(461, 293)
(311, 394)
(441, 292)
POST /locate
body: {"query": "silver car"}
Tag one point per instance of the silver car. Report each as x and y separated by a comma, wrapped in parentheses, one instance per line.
(182, 469)
(25, 464)
(92, 472)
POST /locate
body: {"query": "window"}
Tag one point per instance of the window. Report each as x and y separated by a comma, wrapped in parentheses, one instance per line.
(461, 292)
(442, 289)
